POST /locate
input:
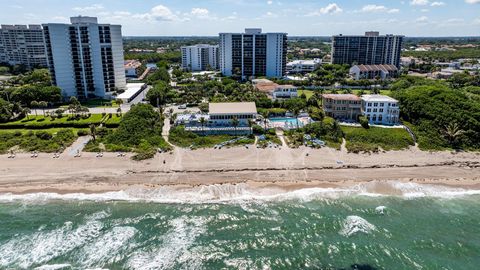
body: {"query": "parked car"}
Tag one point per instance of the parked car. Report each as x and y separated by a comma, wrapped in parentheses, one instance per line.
(182, 107)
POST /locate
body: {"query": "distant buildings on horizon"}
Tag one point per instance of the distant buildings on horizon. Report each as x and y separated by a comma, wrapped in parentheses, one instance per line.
(86, 59)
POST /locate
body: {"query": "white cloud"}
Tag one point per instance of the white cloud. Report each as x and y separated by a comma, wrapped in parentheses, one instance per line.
(200, 12)
(332, 8)
(378, 8)
(428, 3)
(422, 19)
(94, 7)
(437, 4)
(472, 1)
(158, 13)
(269, 2)
(419, 2)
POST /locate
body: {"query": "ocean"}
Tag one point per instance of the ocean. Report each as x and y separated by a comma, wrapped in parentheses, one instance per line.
(237, 227)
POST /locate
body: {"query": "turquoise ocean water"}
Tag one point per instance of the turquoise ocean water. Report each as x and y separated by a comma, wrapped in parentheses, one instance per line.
(233, 227)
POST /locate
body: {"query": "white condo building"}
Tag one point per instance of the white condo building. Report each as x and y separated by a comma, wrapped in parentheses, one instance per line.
(253, 54)
(22, 45)
(381, 109)
(200, 57)
(85, 58)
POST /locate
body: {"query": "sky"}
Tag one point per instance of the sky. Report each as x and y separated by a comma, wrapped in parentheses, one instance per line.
(295, 17)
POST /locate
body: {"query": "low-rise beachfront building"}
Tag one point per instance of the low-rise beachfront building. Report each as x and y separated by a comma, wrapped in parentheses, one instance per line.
(344, 107)
(303, 66)
(221, 119)
(132, 68)
(285, 92)
(370, 72)
(381, 110)
(276, 91)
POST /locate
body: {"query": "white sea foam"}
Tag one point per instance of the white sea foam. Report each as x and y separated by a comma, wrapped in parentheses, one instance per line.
(244, 192)
(355, 224)
(380, 210)
(107, 247)
(43, 246)
(175, 246)
(54, 267)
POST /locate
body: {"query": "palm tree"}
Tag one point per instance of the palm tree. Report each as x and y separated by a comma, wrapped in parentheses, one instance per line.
(452, 132)
(250, 125)
(34, 104)
(265, 118)
(43, 105)
(93, 131)
(235, 123)
(202, 123)
(26, 111)
(295, 112)
(119, 102)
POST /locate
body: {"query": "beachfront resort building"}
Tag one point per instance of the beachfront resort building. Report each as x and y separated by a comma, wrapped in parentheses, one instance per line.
(22, 45)
(381, 109)
(370, 49)
(85, 58)
(253, 54)
(345, 107)
(221, 119)
(200, 57)
(303, 66)
(370, 72)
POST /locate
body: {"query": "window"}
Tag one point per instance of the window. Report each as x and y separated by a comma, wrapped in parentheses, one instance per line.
(380, 117)
(369, 110)
(381, 110)
(375, 104)
(375, 110)
(369, 104)
(382, 104)
(374, 119)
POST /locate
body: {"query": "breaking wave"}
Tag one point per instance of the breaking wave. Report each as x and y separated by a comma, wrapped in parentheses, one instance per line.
(355, 224)
(244, 192)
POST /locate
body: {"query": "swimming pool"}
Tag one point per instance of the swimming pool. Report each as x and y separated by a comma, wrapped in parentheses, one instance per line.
(288, 123)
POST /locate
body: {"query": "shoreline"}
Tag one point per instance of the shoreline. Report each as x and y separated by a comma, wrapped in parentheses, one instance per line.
(286, 169)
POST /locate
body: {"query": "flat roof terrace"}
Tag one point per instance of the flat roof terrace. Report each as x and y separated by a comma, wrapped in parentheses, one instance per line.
(232, 108)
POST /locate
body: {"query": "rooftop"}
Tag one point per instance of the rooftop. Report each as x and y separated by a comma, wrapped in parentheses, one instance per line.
(132, 89)
(386, 68)
(342, 97)
(132, 64)
(378, 98)
(305, 62)
(232, 108)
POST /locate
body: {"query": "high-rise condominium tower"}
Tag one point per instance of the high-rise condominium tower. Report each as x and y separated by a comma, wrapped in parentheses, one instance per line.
(22, 45)
(200, 57)
(253, 54)
(85, 58)
(371, 49)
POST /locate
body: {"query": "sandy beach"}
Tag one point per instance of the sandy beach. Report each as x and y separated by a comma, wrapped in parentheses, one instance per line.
(284, 168)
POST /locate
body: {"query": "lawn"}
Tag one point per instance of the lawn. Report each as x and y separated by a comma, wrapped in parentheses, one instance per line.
(372, 139)
(48, 140)
(182, 138)
(308, 93)
(41, 122)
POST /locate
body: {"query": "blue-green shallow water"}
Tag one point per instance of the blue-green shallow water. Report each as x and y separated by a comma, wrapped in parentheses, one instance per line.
(335, 233)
